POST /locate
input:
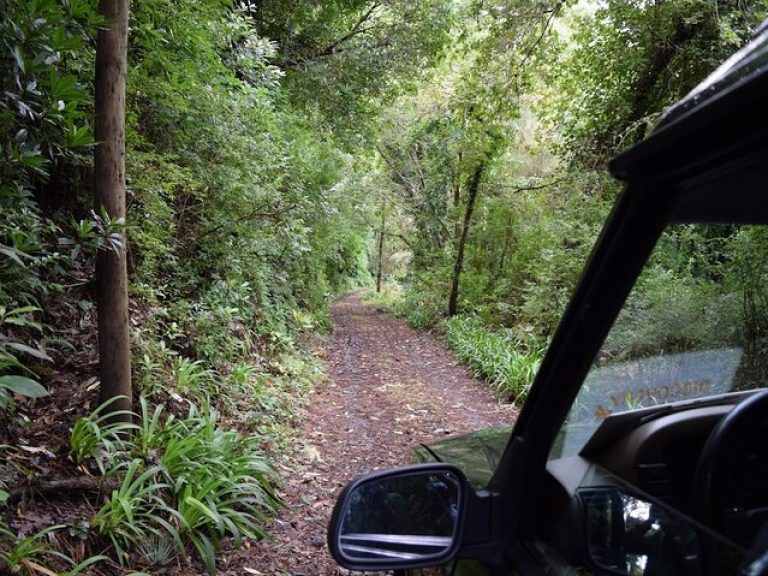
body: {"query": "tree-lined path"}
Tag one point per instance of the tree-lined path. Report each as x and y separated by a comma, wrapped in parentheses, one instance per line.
(389, 388)
(179, 204)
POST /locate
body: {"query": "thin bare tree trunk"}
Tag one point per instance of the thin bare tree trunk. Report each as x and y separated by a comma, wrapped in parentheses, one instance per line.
(109, 185)
(472, 190)
(381, 251)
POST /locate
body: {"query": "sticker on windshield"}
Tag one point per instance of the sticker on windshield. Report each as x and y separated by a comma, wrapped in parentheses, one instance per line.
(645, 382)
(658, 380)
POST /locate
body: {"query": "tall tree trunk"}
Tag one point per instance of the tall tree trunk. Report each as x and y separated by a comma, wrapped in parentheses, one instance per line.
(109, 186)
(381, 251)
(456, 190)
(472, 190)
(494, 276)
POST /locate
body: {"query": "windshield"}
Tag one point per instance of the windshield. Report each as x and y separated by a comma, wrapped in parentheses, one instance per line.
(694, 326)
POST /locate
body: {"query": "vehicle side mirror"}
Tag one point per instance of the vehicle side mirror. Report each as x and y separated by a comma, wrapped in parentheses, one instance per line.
(629, 536)
(397, 519)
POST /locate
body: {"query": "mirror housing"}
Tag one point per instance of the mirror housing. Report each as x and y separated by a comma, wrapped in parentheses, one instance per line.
(401, 518)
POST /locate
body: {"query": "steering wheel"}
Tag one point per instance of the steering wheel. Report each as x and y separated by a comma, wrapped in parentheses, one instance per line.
(720, 459)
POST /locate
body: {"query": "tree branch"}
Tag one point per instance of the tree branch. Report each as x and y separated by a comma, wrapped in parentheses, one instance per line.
(408, 186)
(332, 48)
(250, 216)
(399, 236)
(552, 13)
(64, 486)
(528, 188)
(413, 154)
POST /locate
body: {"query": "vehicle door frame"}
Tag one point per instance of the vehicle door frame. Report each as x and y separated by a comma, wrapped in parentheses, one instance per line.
(671, 177)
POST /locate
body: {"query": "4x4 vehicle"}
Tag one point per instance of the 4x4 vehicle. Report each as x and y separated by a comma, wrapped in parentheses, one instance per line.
(643, 445)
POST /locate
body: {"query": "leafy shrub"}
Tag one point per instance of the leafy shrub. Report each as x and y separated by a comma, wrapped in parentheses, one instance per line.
(193, 378)
(222, 326)
(151, 365)
(388, 299)
(509, 363)
(184, 481)
(421, 309)
(241, 375)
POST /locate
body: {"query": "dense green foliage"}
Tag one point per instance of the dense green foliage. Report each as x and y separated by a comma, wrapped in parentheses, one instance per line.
(539, 98)
(699, 305)
(627, 61)
(343, 59)
(508, 361)
(242, 195)
(720, 298)
(44, 54)
(282, 152)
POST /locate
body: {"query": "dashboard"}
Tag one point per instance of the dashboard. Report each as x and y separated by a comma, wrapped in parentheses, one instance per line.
(637, 481)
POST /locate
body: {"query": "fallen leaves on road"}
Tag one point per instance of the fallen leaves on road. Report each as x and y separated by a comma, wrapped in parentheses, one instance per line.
(390, 388)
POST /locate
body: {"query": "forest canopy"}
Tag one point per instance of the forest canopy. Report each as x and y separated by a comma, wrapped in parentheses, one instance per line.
(449, 155)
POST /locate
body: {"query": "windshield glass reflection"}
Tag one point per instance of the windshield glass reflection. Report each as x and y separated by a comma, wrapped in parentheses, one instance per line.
(695, 325)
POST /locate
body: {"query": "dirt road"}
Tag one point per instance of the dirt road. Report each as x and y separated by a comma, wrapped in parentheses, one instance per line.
(389, 388)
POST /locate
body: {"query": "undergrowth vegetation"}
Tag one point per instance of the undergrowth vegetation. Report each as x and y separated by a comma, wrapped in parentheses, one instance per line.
(277, 155)
(508, 361)
(181, 480)
(37, 554)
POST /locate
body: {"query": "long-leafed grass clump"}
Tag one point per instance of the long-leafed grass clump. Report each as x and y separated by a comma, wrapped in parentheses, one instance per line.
(185, 482)
(508, 362)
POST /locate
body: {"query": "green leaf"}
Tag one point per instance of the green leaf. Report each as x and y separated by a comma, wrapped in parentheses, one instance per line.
(18, 58)
(75, 570)
(29, 350)
(81, 136)
(23, 310)
(12, 253)
(24, 386)
(195, 503)
(23, 322)
(66, 88)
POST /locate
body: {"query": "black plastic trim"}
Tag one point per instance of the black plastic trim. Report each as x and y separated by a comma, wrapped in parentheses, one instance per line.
(466, 499)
